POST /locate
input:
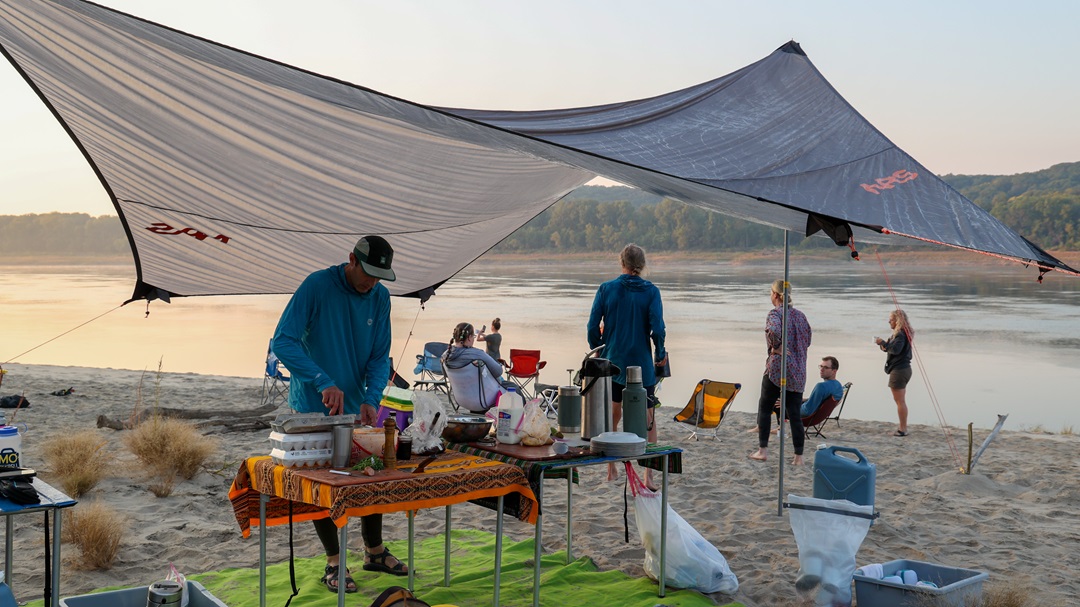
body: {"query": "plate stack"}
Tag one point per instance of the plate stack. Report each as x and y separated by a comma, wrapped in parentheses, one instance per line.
(617, 444)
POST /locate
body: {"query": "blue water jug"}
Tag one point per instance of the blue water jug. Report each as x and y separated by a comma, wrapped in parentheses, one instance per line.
(840, 477)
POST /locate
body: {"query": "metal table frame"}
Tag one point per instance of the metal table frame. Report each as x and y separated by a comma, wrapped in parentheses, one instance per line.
(51, 500)
(569, 512)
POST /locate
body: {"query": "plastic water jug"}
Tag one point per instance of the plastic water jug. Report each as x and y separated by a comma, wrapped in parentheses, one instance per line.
(511, 411)
(634, 404)
(843, 477)
(10, 447)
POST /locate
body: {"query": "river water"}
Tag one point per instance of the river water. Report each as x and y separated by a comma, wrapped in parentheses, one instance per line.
(989, 339)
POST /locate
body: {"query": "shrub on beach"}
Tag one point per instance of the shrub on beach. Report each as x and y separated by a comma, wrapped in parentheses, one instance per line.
(96, 531)
(78, 460)
(169, 449)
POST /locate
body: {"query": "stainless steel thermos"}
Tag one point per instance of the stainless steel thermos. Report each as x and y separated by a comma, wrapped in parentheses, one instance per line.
(596, 411)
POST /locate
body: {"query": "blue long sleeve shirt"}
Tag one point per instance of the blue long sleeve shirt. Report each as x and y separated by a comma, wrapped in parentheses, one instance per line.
(633, 317)
(331, 335)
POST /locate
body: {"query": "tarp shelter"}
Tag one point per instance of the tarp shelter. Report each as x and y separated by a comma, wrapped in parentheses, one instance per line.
(235, 174)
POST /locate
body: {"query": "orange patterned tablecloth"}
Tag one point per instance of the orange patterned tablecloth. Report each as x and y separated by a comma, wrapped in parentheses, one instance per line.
(451, 479)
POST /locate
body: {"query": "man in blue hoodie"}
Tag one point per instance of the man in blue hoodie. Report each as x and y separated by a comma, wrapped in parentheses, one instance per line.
(334, 338)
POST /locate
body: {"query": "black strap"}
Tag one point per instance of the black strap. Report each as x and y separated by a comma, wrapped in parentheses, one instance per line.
(292, 562)
(830, 510)
(625, 509)
(48, 562)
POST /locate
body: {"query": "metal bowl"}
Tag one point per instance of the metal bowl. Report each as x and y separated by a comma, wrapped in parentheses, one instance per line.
(466, 428)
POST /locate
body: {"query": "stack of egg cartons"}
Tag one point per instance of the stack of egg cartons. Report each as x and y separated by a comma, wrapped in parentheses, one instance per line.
(302, 450)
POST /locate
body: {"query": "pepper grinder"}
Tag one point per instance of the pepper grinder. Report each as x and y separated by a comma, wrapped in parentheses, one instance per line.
(389, 448)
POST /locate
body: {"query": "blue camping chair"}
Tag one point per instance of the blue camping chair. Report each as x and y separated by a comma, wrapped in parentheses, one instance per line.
(275, 382)
(429, 368)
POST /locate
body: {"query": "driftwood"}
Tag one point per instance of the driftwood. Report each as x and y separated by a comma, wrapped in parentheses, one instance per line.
(227, 419)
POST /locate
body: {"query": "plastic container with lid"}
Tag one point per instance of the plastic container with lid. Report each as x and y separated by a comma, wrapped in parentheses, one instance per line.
(307, 458)
(301, 442)
(10, 447)
(511, 414)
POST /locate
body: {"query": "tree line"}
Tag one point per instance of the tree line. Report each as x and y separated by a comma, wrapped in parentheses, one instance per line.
(1043, 206)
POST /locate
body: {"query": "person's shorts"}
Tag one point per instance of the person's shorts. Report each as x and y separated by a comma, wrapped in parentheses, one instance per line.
(899, 378)
(650, 391)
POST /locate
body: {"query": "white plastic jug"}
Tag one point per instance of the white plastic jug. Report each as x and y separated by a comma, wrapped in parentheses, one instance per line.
(511, 411)
(10, 447)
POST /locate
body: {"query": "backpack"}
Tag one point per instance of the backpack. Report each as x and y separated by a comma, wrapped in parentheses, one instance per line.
(396, 596)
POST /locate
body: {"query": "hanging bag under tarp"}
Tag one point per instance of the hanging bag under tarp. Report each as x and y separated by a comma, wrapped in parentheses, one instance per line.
(828, 534)
(692, 562)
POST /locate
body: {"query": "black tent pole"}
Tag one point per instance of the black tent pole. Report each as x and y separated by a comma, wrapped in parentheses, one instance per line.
(783, 378)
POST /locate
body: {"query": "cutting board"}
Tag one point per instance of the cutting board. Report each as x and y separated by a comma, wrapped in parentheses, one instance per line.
(356, 477)
(533, 454)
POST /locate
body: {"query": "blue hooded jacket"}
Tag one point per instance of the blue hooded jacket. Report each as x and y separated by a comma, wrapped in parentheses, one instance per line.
(633, 315)
(331, 335)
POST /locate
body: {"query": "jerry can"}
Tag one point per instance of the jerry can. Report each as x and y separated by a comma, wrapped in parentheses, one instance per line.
(843, 473)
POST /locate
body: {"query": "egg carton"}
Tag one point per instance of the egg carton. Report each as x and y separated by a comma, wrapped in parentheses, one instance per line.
(305, 458)
(301, 442)
(302, 423)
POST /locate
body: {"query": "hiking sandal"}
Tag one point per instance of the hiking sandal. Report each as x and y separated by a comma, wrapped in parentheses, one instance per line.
(377, 562)
(330, 580)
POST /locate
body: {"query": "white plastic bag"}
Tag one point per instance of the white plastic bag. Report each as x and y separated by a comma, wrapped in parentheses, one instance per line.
(535, 429)
(692, 562)
(429, 421)
(828, 534)
(179, 578)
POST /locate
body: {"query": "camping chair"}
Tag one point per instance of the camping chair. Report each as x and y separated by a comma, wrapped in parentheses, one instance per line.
(524, 370)
(816, 420)
(429, 368)
(708, 405)
(275, 382)
(472, 387)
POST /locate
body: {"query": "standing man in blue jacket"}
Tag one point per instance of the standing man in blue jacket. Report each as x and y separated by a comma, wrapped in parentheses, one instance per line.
(334, 338)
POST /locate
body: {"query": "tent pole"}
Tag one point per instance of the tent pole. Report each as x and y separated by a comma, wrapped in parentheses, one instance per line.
(783, 379)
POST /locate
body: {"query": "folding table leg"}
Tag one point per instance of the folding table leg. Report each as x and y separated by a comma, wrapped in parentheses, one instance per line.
(498, 550)
(446, 555)
(56, 558)
(263, 498)
(538, 540)
(411, 515)
(663, 527)
(343, 568)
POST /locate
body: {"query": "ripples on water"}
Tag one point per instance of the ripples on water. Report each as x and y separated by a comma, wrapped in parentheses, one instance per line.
(990, 339)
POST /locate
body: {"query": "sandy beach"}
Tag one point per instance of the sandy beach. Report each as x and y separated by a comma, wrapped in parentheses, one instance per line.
(1015, 517)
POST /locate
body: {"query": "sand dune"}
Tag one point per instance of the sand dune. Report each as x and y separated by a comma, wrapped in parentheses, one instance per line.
(1016, 517)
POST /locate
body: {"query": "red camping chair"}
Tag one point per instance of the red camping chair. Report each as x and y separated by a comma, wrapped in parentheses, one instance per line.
(524, 370)
(816, 420)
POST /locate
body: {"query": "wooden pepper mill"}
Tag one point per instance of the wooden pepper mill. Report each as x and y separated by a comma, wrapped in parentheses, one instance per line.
(389, 448)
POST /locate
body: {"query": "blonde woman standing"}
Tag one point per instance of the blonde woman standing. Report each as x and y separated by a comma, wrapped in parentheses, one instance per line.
(898, 363)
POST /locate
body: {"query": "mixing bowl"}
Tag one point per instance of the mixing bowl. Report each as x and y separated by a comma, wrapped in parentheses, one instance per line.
(466, 428)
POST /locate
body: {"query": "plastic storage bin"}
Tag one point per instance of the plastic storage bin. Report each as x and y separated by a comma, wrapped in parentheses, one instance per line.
(198, 596)
(301, 442)
(839, 477)
(954, 586)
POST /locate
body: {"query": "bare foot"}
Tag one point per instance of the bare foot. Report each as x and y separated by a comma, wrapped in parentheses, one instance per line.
(612, 472)
(798, 461)
(758, 455)
(649, 483)
(752, 430)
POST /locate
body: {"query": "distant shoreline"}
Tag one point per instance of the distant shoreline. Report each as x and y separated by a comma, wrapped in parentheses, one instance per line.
(929, 258)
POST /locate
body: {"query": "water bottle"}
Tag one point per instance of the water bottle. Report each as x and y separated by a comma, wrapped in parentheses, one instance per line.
(511, 411)
(635, 404)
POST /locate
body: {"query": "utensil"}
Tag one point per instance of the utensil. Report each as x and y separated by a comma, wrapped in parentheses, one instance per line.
(423, 464)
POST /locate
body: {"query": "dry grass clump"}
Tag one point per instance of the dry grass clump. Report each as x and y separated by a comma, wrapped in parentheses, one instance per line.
(78, 460)
(96, 531)
(994, 594)
(169, 449)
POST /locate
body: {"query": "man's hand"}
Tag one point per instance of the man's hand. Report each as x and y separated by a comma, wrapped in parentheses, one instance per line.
(334, 400)
(663, 362)
(368, 414)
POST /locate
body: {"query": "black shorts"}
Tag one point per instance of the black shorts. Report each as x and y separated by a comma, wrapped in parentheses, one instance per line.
(650, 391)
(899, 378)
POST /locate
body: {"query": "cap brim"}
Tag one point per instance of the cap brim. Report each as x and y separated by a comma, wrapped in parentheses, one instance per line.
(380, 273)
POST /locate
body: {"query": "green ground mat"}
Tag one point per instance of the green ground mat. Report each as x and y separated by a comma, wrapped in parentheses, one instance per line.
(578, 584)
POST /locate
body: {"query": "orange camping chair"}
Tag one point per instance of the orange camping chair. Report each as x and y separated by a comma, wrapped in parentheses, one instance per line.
(708, 405)
(524, 370)
(816, 420)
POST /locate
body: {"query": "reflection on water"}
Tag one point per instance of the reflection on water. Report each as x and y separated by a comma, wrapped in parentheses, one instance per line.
(989, 339)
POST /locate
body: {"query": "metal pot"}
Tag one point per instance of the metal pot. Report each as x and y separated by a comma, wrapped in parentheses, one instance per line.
(596, 410)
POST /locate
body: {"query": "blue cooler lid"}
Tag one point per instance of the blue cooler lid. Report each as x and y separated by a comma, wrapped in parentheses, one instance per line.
(8, 430)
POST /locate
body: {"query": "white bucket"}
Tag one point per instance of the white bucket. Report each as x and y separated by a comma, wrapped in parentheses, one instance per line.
(511, 412)
(10, 447)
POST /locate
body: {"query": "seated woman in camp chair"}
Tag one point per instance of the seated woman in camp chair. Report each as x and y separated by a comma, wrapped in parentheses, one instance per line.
(459, 356)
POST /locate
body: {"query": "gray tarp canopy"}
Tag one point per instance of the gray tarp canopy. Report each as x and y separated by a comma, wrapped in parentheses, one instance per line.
(235, 174)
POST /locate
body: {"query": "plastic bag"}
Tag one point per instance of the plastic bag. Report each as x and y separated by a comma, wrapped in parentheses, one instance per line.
(429, 421)
(828, 541)
(535, 429)
(692, 562)
(179, 578)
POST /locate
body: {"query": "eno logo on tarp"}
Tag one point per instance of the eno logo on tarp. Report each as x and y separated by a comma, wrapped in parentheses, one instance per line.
(9, 458)
(168, 230)
(890, 182)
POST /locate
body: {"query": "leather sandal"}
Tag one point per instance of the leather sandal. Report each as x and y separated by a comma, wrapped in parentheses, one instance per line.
(377, 562)
(330, 580)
